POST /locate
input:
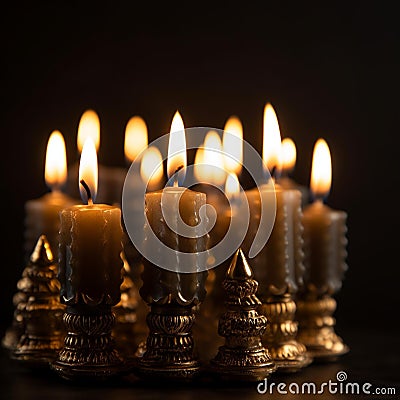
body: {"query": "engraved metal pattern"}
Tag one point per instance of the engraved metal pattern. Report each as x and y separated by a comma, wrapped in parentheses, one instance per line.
(316, 330)
(243, 356)
(89, 350)
(281, 334)
(39, 310)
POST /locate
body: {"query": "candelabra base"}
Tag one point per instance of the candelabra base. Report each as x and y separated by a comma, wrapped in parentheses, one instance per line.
(290, 356)
(89, 351)
(169, 351)
(280, 337)
(316, 330)
(239, 365)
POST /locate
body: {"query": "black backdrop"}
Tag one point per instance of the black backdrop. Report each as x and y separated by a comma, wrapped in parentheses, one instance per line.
(330, 70)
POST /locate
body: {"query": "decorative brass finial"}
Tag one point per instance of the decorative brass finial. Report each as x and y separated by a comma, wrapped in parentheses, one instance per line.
(242, 357)
(42, 312)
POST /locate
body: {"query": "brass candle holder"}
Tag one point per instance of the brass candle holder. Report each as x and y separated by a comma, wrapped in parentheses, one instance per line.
(289, 354)
(90, 278)
(325, 251)
(169, 352)
(317, 328)
(89, 351)
(41, 311)
(243, 356)
(325, 261)
(279, 270)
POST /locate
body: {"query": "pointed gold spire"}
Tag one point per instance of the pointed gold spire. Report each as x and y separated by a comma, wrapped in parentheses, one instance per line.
(42, 253)
(239, 268)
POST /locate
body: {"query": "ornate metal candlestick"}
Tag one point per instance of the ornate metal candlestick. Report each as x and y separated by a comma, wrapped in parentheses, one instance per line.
(41, 311)
(279, 270)
(173, 296)
(325, 254)
(170, 352)
(90, 273)
(243, 357)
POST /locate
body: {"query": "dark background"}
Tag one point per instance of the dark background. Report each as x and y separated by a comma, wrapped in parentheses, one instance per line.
(330, 70)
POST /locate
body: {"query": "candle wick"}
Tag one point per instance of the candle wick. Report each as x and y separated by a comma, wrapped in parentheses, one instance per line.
(89, 194)
(176, 175)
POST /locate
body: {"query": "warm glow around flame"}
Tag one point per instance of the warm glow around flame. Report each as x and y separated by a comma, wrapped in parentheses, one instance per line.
(176, 146)
(289, 154)
(232, 146)
(321, 171)
(56, 161)
(136, 138)
(232, 187)
(88, 170)
(89, 125)
(272, 139)
(212, 170)
(151, 167)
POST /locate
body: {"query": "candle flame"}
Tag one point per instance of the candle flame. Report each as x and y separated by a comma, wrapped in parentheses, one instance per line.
(289, 154)
(136, 138)
(272, 139)
(56, 161)
(199, 164)
(232, 145)
(321, 170)
(232, 187)
(88, 170)
(151, 167)
(176, 146)
(89, 125)
(209, 162)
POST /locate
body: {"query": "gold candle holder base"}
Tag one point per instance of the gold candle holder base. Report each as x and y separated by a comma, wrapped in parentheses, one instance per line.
(280, 337)
(242, 357)
(316, 329)
(89, 351)
(169, 351)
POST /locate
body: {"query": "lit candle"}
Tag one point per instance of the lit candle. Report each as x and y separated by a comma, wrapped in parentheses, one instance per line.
(178, 204)
(289, 158)
(90, 243)
(324, 230)
(325, 261)
(90, 274)
(279, 265)
(175, 284)
(42, 214)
